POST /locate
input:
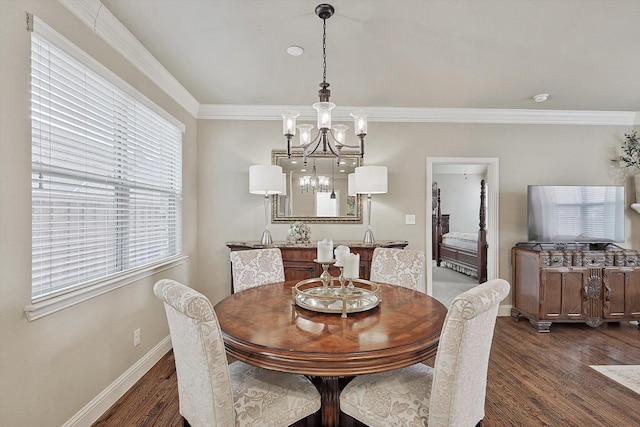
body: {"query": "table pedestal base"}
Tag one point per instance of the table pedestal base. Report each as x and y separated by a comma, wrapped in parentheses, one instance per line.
(330, 396)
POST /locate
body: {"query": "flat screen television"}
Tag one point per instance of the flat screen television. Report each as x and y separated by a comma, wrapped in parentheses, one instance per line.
(575, 213)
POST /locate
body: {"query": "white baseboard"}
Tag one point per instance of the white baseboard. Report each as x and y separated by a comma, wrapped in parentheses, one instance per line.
(103, 401)
(504, 310)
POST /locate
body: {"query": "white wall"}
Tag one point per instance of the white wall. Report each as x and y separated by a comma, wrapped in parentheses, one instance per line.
(528, 154)
(460, 198)
(52, 367)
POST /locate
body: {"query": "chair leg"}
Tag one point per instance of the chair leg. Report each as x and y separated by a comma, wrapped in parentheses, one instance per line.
(185, 423)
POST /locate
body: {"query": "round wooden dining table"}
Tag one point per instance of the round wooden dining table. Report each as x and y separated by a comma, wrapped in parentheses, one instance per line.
(262, 326)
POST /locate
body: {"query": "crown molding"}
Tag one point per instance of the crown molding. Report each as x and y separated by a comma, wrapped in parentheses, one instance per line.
(102, 22)
(428, 115)
(97, 17)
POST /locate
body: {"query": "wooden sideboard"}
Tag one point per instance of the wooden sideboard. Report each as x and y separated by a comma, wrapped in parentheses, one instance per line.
(434, 233)
(575, 283)
(298, 258)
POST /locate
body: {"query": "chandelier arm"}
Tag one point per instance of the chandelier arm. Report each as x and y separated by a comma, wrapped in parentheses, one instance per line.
(332, 149)
(306, 151)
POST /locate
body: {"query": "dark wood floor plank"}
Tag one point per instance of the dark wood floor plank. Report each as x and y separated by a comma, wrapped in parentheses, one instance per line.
(534, 380)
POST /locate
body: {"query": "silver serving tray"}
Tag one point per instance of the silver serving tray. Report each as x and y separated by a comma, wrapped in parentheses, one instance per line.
(355, 296)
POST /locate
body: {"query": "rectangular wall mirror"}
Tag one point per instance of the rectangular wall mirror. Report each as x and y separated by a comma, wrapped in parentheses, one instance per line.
(311, 189)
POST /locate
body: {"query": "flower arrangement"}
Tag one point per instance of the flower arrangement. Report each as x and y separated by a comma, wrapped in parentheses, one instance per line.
(631, 151)
(299, 233)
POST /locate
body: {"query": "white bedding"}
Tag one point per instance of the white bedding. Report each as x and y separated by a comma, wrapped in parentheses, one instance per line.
(467, 241)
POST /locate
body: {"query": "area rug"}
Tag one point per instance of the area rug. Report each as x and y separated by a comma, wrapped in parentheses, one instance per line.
(627, 375)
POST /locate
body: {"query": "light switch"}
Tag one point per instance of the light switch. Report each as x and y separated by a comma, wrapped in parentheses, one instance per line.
(409, 219)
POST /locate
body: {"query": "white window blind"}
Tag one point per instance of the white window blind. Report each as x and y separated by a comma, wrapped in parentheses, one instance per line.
(106, 177)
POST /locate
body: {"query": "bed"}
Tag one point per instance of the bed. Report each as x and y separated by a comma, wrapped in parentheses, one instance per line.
(461, 251)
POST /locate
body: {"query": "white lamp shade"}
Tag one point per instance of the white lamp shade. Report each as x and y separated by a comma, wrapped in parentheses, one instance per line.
(352, 184)
(371, 179)
(265, 179)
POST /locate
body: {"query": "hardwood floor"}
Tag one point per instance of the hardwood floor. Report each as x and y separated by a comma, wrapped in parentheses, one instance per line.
(535, 379)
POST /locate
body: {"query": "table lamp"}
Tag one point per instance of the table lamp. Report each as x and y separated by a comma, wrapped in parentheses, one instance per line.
(370, 180)
(266, 180)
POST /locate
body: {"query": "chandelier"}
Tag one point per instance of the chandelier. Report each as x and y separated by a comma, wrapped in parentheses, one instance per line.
(331, 138)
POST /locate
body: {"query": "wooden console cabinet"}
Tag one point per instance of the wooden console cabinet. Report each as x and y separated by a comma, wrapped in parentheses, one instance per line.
(575, 283)
(298, 258)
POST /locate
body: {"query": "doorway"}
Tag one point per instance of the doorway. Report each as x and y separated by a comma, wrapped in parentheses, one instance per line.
(462, 165)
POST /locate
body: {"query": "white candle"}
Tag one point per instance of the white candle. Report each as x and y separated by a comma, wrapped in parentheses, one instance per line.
(325, 250)
(340, 252)
(351, 268)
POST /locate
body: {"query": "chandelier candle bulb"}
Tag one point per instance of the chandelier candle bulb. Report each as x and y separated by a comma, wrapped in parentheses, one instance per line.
(325, 250)
(305, 134)
(360, 122)
(324, 114)
(289, 122)
(351, 266)
(339, 132)
(340, 253)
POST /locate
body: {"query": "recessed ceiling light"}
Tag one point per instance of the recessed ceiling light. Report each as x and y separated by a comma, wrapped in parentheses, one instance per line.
(541, 97)
(295, 50)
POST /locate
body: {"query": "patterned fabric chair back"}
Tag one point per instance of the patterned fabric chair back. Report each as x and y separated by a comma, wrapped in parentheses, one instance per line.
(204, 386)
(452, 393)
(402, 267)
(256, 267)
(212, 392)
(459, 382)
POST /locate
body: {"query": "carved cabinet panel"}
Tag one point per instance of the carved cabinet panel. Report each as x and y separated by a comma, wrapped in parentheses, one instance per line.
(621, 293)
(561, 295)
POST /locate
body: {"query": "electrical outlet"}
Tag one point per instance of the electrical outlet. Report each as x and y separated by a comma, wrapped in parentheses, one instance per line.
(409, 219)
(136, 337)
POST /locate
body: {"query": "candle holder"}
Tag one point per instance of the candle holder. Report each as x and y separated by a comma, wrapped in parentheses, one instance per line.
(341, 279)
(325, 277)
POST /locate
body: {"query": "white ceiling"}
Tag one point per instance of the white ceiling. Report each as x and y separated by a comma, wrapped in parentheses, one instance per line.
(481, 54)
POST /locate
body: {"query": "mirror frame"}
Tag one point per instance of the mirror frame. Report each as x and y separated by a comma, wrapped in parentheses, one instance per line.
(275, 218)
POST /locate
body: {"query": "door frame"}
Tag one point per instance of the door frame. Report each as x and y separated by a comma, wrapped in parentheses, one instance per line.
(492, 164)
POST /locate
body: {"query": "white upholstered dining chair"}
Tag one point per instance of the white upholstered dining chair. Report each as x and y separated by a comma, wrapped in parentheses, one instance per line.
(256, 267)
(452, 393)
(212, 392)
(402, 267)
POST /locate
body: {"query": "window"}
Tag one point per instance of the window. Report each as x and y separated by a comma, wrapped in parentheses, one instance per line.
(106, 173)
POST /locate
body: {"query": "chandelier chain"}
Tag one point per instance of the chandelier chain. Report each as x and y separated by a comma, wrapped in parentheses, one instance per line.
(324, 51)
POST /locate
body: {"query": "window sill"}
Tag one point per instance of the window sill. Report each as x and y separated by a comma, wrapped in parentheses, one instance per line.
(49, 306)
